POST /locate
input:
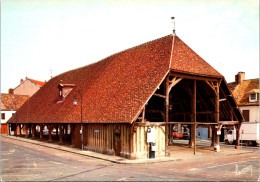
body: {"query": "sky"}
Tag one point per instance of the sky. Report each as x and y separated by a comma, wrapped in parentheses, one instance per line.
(44, 38)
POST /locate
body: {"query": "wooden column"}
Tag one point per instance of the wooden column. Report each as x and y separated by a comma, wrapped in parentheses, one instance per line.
(213, 135)
(143, 115)
(193, 118)
(216, 145)
(33, 130)
(167, 153)
(30, 129)
(20, 129)
(57, 128)
(61, 133)
(26, 130)
(15, 131)
(238, 136)
(41, 131)
(50, 127)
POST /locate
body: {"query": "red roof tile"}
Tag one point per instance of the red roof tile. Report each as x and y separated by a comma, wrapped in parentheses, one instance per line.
(10, 101)
(37, 82)
(241, 91)
(114, 89)
(185, 60)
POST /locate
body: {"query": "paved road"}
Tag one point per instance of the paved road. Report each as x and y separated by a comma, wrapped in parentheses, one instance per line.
(30, 162)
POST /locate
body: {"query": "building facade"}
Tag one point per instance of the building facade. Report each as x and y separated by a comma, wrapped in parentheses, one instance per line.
(246, 94)
(28, 87)
(128, 103)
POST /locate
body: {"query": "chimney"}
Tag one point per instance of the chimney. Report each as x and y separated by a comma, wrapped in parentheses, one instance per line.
(21, 81)
(240, 77)
(11, 91)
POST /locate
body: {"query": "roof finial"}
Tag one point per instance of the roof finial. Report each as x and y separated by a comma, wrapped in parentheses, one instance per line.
(173, 21)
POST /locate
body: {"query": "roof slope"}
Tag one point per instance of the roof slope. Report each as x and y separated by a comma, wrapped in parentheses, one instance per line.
(241, 91)
(185, 60)
(40, 83)
(11, 101)
(114, 89)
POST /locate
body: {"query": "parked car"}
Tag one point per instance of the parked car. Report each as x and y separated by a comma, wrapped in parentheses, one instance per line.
(46, 131)
(177, 135)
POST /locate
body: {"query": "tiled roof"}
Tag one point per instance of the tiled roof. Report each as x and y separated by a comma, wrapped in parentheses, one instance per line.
(10, 101)
(37, 82)
(185, 60)
(114, 89)
(241, 91)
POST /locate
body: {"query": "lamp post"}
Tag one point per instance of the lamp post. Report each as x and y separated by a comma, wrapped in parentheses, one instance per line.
(75, 102)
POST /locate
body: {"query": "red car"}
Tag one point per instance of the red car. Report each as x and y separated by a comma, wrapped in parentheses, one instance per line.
(177, 135)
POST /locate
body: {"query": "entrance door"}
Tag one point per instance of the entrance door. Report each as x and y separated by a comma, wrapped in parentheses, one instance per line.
(117, 144)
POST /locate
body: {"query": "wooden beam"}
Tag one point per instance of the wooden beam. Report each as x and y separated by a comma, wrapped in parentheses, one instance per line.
(211, 86)
(173, 82)
(228, 122)
(159, 95)
(197, 77)
(166, 115)
(143, 115)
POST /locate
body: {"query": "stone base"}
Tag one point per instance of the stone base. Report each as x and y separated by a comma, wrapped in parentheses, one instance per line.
(217, 148)
(237, 147)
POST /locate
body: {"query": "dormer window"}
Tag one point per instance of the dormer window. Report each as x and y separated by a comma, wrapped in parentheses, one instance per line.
(253, 97)
(64, 90)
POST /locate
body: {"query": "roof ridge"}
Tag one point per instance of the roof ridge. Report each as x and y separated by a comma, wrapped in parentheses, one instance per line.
(112, 55)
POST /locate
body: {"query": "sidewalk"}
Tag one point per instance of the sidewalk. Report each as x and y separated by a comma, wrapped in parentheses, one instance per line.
(177, 152)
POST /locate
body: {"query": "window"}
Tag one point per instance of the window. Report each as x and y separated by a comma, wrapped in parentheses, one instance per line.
(246, 115)
(3, 116)
(253, 97)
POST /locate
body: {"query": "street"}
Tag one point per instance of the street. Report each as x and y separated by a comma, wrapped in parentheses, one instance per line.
(21, 161)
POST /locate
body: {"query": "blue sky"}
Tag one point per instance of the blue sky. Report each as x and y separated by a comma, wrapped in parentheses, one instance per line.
(59, 35)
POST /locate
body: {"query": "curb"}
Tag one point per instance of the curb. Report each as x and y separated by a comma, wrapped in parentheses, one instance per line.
(119, 161)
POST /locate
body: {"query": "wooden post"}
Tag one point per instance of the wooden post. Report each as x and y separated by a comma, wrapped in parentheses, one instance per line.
(50, 127)
(61, 133)
(57, 128)
(20, 128)
(41, 131)
(143, 115)
(167, 154)
(213, 135)
(216, 145)
(193, 127)
(15, 131)
(238, 136)
(33, 130)
(30, 129)
(26, 130)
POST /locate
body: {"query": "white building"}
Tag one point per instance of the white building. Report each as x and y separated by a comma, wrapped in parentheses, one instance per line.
(246, 94)
(9, 104)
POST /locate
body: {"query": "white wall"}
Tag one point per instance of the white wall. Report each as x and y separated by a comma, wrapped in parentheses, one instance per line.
(26, 88)
(8, 115)
(253, 112)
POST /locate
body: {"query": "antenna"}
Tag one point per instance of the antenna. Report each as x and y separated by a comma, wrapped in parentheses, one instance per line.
(51, 74)
(173, 21)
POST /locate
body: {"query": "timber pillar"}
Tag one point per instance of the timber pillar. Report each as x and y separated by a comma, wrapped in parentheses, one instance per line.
(61, 133)
(20, 129)
(216, 144)
(26, 130)
(237, 136)
(50, 127)
(33, 130)
(41, 131)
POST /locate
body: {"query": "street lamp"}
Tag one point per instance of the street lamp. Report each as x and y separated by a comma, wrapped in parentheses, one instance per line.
(75, 102)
